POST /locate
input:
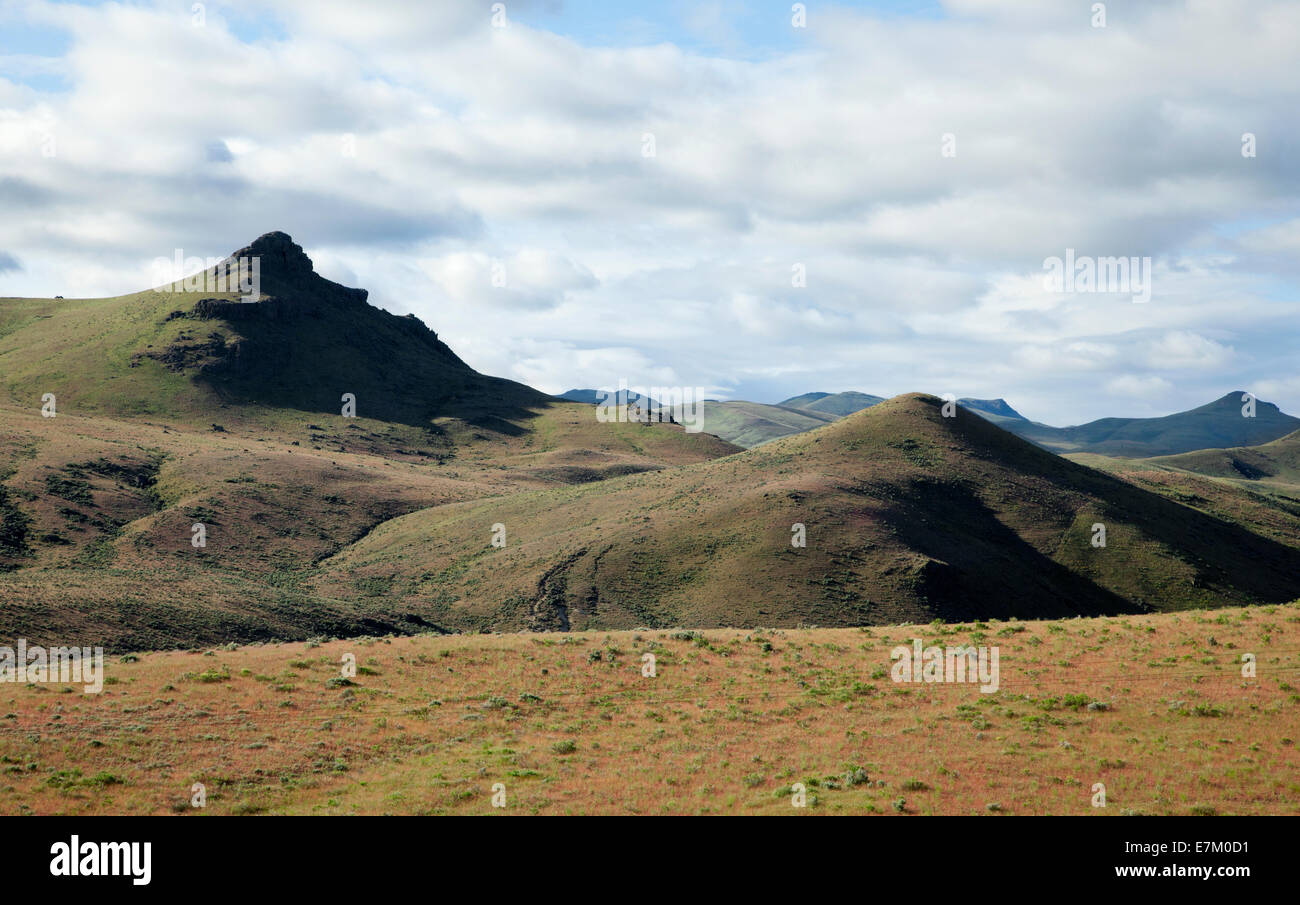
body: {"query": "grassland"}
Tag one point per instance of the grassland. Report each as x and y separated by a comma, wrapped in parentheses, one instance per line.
(1153, 707)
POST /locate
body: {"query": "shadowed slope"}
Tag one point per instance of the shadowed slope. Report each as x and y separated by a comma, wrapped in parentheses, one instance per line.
(753, 423)
(1278, 461)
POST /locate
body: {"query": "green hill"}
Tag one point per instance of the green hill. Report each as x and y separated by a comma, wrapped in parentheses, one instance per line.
(189, 355)
(753, 423)
(1274, 462)
(833, 403)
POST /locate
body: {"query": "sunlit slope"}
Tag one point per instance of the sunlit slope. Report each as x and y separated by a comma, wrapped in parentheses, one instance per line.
(753, 423)
(1274, 463)
(1154, 707)
(908, 516)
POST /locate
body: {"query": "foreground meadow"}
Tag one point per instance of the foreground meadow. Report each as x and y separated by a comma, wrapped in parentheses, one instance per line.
(1153, 707)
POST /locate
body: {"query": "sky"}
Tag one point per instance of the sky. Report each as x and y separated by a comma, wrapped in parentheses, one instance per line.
(757, 199)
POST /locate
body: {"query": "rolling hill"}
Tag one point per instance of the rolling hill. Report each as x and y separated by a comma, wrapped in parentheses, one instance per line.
(1217, 424)
(909, 517)
(833, 403)
(742, 423)
(751, 424)
(1257, 487)
(1269, 463)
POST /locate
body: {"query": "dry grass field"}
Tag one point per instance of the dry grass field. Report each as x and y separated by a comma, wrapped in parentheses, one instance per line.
(1154, 707)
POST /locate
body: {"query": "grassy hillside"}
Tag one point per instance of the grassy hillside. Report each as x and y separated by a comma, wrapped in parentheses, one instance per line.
(1257, 487)
(750, 424)
(1275, 463)
(180, 414)
(1153, 707)
(178, 408)
(909, 516)
(833, 403)
(190, 357)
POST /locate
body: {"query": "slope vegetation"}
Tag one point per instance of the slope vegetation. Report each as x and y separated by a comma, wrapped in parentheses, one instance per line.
(833, 403)
(750, 424)
(909, 516)
(1154, 707)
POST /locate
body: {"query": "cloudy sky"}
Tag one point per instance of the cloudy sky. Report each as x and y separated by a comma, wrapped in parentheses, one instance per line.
(651, 179)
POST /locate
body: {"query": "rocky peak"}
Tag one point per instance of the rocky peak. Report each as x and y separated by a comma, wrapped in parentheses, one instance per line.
(281, 257)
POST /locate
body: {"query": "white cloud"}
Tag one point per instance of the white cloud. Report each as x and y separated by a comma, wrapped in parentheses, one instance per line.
(1183, 349)
(1138, 386)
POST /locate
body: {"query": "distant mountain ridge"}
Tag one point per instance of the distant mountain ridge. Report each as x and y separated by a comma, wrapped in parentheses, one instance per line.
(1215, 425)
(609, 397)
(996, 407)
(834, 403)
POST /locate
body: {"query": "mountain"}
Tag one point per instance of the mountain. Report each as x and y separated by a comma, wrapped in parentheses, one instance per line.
(743, 423)
(172, 352)
(833, 403)
(1256, 487)
(750, 424)
(998, 408)
(609, 397)
(1217, 424)
(802, 400)
(909, 516)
